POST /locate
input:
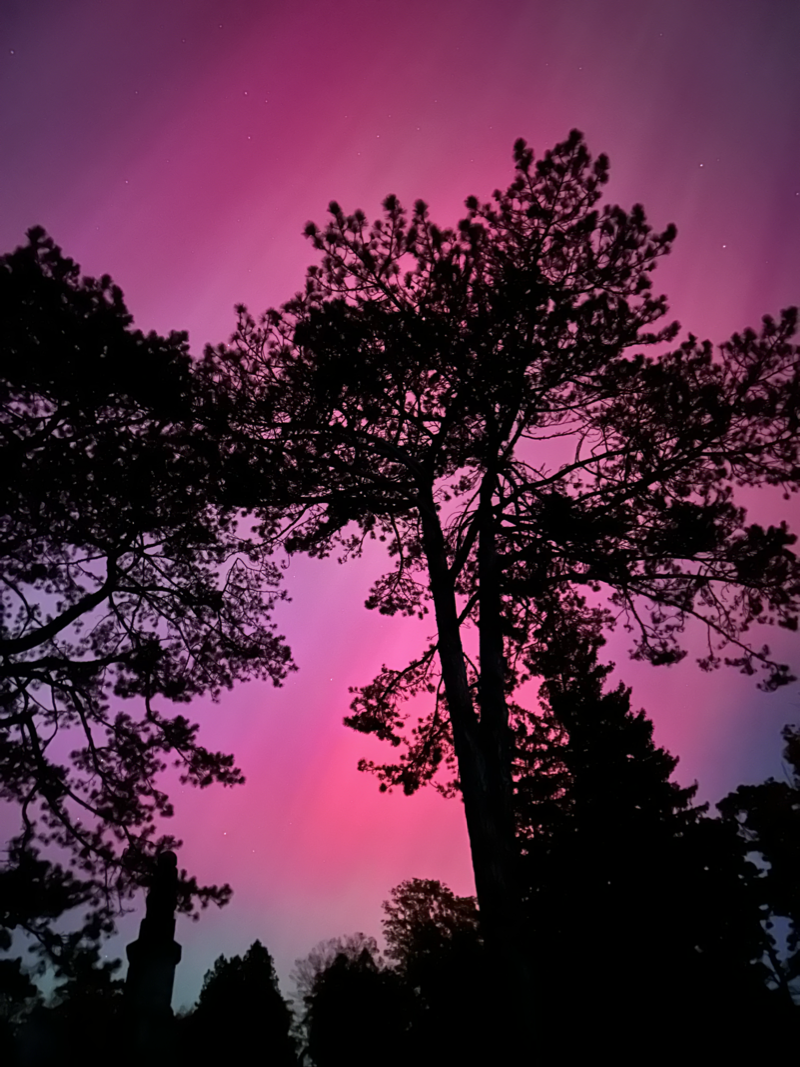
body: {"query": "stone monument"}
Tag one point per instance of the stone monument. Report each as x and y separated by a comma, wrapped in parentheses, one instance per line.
(152, 960)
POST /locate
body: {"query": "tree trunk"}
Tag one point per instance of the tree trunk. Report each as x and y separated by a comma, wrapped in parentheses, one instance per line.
(495, 740)
(482, 751)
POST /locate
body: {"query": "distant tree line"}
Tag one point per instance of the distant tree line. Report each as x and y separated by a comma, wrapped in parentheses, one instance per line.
(643, 915)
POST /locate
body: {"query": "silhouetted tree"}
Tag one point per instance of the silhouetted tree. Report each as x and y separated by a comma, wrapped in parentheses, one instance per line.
(82, 1020)
(34, 892)
(123, 585)
(18, 997)
(768, 818)
(642, 909)
(433, 939)
(240, 1015)
(353, 1008)
(475, 398)
(422, 917)
(307, 970)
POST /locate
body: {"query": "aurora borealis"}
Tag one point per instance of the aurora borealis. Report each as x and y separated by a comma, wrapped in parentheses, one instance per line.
(181, 146)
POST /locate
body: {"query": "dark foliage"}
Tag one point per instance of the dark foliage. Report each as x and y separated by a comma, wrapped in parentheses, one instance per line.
(354, 1009)
(240, 1015)
(18, 997)
(124, 587)
(423, 917)
(83, 1022)
(767, 816)
(479, 399)
(433, 939)
(635, 896)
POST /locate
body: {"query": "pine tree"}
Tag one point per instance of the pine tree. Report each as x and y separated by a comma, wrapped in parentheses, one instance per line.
(479, 399)
(241, 1014)
(767, 816)
(643, 909)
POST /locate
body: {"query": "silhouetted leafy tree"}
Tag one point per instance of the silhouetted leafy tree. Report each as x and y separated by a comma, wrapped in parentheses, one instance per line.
(123, 585)
(636, 898)
(768, 818)
(18, 996)
(82, 1020)
(240, 1015)
(307, 970)
(34, 892)
(423, 916)
(433, 939)
(354, 1008)
(476, 398)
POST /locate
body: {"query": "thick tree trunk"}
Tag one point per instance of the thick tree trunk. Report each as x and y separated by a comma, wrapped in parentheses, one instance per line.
(483, 754)
(493, 729)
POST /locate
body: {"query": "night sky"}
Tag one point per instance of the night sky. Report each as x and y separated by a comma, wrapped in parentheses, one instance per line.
(181, 146)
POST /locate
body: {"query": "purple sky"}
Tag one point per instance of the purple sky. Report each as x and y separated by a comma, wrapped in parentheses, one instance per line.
(181, 145)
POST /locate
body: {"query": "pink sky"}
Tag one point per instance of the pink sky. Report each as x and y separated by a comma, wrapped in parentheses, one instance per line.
(181, 145)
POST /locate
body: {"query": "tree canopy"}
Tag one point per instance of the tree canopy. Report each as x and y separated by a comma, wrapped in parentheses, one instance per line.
(434, 942)
(240, 1011)
(351, 1006)
(479, 398)
(422, 916)
(125, 589)
(767, 816)
(625, 874)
